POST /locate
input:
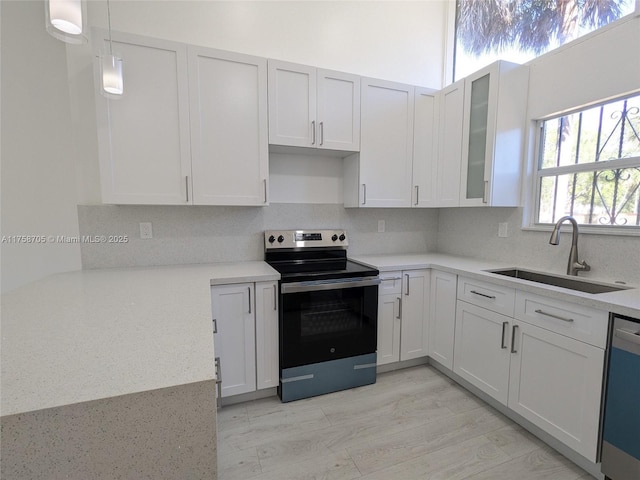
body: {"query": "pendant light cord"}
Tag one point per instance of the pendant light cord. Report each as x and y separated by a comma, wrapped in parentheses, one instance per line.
(109, 22)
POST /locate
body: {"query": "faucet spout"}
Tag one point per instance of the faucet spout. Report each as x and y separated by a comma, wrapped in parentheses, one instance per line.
(574, 265)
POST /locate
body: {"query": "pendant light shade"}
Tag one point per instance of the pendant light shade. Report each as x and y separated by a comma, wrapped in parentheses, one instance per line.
(112, 80)
(111, 68)
(66, 20)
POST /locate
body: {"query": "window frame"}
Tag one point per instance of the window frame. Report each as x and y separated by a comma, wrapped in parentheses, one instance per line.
(532, 207)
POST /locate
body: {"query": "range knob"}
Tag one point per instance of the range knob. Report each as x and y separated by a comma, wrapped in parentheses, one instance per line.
(342, 237)
(334, 237)
(280, 239)
(272, 239)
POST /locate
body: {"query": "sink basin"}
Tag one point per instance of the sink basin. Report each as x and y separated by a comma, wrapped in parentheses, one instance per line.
(559, 281)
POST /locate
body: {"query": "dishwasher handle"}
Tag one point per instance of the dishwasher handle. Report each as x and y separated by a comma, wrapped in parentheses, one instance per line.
(626, 334)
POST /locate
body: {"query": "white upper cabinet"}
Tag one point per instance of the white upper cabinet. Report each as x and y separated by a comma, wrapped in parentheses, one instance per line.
(191, 127)
(313, 108)
(228, 108)
(143, 137)
(338, 111)
(493, 137)
(451, 104)
(381, 176)
(425, 153)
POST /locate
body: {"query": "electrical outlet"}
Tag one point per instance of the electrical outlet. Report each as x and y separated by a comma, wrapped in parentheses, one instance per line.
(381, 226)
(146, 230)
(503, 230)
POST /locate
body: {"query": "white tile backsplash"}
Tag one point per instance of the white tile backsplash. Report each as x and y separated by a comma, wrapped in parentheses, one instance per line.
(201, 234)
(473, 232)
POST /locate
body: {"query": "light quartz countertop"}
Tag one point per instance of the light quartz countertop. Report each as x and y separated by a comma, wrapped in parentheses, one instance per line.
(625, 302)
(92, 334)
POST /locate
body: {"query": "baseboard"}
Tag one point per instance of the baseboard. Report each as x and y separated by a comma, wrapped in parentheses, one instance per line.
(390, 367)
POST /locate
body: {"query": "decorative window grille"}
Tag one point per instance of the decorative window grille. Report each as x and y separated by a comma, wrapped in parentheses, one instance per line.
(589, 166)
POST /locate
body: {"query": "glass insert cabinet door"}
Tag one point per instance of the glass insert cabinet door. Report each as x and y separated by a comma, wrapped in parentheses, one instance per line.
(495, 105)
(477, 144)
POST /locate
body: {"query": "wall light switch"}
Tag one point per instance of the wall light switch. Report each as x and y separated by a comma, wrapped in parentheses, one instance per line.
(146, 230)
(381, 226)
(503, 230)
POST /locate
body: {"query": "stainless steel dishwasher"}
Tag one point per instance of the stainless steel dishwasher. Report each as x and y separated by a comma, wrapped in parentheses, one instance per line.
(621, 431)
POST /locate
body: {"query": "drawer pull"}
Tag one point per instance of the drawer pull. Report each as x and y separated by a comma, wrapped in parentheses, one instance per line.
(215, 325)
(492, 297)
(564, 319)
(504, 329)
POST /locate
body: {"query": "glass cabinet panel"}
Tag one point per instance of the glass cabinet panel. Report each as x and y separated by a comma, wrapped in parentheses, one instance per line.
(477, 137)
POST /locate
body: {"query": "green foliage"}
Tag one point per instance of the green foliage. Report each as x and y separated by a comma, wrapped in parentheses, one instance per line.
(485, 26)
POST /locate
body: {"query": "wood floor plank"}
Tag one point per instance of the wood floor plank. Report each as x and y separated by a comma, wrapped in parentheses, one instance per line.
(540, 464)
(451, 463)
(382, 451)
(412, 424)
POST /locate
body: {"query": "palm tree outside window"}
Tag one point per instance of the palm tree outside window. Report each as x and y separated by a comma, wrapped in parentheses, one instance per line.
(520, 30)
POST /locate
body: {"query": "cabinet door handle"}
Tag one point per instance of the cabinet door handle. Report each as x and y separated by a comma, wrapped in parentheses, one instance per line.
(504, 329)
(485, 193)
(321, 133)
(249, 297)
(313, 132)
(186, 184)
(399, 307)
(417, 194)
(215, 325)
(275, 297)
(218, 373)
(364, 194)
(218, 368)
(407, 275)
(513, 339)
(492, 297)
(564, 319)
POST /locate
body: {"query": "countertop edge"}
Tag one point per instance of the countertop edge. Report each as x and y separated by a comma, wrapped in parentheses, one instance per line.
(625, 302)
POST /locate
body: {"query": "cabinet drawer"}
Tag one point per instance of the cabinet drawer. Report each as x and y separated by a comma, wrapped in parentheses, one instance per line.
(487, 295)
(575, 321)
(390, 283)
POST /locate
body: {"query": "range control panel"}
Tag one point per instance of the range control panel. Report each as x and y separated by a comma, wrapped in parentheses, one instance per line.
(304, 239)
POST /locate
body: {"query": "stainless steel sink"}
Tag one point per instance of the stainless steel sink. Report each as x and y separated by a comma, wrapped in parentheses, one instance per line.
(559, 281)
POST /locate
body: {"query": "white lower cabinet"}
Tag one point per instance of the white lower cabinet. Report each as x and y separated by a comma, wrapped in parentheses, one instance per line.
(245, 318)
(481, 355)
(539, 363)
(442, 317)
(267, 365)
(403, 320)
(556, 382)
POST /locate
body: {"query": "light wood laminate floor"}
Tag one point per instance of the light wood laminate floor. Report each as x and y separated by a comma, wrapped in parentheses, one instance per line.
(412, 424)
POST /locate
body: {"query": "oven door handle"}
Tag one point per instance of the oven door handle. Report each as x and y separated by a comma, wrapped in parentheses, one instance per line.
(312, 286)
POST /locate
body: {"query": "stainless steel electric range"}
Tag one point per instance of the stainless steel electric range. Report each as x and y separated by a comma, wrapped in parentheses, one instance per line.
(328, 313)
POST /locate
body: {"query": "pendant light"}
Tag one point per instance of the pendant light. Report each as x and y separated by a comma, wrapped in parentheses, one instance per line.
(111, 68)
(66, 20)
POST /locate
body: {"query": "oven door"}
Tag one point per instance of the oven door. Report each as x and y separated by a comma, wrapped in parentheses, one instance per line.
(327, 320)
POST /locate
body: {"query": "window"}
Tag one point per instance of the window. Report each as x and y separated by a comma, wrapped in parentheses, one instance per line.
(589, 166)
(520, 30)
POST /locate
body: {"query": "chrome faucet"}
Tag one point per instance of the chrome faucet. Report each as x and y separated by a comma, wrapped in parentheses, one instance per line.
(574, 266)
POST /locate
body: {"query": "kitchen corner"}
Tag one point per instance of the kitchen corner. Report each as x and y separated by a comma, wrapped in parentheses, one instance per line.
(111, 370)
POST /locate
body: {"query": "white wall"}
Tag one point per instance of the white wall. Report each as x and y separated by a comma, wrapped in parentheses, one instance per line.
(38, 180)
